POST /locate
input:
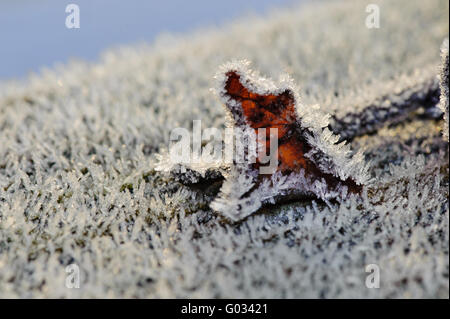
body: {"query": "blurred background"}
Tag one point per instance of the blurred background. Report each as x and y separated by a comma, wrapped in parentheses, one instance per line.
(33, 33)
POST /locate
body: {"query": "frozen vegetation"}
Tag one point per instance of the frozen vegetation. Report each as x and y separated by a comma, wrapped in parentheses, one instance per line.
(78, 159)
(443, 77)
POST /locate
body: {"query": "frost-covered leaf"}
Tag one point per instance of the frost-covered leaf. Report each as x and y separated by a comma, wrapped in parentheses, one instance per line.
(307, 157)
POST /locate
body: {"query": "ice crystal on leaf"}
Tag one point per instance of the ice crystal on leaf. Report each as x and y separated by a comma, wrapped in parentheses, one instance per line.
(78, 185)
(310, 162)
(189, 173)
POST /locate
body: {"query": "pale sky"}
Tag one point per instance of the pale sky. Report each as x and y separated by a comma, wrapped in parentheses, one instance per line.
(33, 33)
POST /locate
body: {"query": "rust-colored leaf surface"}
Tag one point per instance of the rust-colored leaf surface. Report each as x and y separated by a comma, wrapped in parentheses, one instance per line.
(278, 111)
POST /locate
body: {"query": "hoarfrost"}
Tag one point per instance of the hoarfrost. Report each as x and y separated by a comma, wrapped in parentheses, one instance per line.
(78, 184)
(443, 76)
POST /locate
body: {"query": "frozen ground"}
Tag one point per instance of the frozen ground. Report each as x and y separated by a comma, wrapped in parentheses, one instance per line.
(78, 185)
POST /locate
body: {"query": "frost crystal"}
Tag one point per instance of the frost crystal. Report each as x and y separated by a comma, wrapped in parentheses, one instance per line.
(310, 162)
(78, 184)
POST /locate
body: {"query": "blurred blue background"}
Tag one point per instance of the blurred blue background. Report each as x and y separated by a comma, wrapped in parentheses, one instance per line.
(33, 33)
